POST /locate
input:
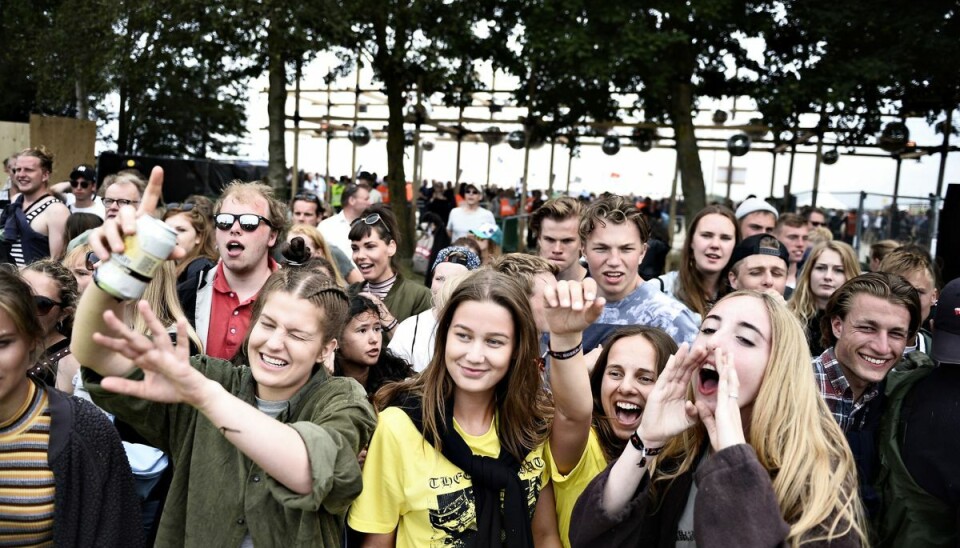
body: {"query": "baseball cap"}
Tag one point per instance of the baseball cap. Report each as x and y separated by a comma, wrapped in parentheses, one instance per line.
(488, 231)
(83, 170)
(759, 244)
(752, 205)
(946, 325)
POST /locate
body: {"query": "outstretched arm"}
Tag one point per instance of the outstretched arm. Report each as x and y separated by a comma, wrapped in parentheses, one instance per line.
(169, 377)
(570, 307)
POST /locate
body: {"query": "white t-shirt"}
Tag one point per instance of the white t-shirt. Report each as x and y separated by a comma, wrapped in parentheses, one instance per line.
(462, 221)
(97, 207)
(413, 340)
(336, 232)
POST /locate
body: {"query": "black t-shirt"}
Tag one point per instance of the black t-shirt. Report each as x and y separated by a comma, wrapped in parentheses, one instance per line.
(931, 433)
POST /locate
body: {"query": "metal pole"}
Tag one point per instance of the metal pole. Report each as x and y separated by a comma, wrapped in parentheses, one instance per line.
(489, 155)
(356, 118)
(569, 166)
(773, 174)
(816, 171)
(295, 177)
(522, 208)
(673, 201)
(553, 146)
(789, 189)
(459, 143)
(934, 223)
(894, 211)
(729, 175)
(329, 132)
(945, 149)
(858, 237)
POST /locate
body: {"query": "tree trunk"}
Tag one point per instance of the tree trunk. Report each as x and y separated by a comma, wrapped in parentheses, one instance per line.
(398, 180)
(123, 121)
(83, 102)
(688, 152)
(276, 113)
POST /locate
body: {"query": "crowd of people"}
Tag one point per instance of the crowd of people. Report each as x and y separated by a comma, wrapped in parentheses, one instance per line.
(284, 381)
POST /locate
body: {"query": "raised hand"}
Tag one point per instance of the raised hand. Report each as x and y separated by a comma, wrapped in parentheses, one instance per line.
(723, 424)
(570, 306)
(669, 410)
(109, 238)
(168, 375)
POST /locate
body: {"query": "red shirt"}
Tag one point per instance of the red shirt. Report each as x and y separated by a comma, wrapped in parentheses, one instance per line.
(229, 318)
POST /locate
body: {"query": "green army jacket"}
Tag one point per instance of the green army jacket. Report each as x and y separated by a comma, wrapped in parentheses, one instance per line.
(218, 495)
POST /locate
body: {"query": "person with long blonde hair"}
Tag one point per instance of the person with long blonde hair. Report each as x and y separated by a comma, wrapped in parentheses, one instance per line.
(193, 224)
(828, 266)
(720, 440)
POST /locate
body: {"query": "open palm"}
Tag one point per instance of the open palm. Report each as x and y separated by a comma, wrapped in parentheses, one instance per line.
(168, 375)
(669, 410)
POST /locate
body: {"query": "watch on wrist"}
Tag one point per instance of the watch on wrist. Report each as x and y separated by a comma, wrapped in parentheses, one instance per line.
(644, 450)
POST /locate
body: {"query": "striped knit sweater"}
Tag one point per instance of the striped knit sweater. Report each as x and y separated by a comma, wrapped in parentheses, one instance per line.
(26, 480)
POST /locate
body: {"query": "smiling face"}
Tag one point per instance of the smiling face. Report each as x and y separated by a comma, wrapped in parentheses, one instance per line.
(187, 236)
(245, 252)
(870, 339)
(372, 257)
(740, 327)
(14, 362)
(628, 379)
(713, 242)
(559, 241)
(826, 277)
(613, 253)
(362, 340)
(479, 347)
(31, 177)
(284, 345)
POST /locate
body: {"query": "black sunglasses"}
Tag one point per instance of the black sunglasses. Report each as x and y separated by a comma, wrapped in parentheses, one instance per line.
(457, 258)
(371, 220)
(91, 260)
(45, 304)
(180, 206)
(82, 184)
(248, 221)
(306, 196)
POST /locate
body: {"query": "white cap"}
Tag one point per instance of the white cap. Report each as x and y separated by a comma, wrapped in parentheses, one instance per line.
(752, 205)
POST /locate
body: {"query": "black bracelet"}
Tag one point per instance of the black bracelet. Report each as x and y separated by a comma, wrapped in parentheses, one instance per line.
(566, 354)
(392, 325)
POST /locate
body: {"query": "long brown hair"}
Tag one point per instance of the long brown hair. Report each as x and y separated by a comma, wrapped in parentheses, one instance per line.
(523, 407)
(691, 287)
(663, 345)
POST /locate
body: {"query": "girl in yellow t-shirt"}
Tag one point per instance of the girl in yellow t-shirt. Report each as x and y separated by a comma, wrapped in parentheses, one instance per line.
(458, 455)
(626, 370)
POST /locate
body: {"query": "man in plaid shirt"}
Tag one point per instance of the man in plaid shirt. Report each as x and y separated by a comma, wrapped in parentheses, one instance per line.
(867, 324)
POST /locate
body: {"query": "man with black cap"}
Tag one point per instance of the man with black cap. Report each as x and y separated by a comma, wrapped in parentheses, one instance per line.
(919, 442)
(759, 262)
(83, 196)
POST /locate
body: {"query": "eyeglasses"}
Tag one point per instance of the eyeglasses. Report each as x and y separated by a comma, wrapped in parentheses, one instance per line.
(816, 224)
(180, 207)
(306, 196)
(110, 201)
(248, 221)
(372, 219)
(45, 304)
(91, 261)
(82, 184)
(471, 191)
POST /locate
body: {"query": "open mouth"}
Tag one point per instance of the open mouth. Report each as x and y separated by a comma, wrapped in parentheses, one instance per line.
(876, 362)
(709, 380)
(627, 412)
(234, 248)
(273, 362)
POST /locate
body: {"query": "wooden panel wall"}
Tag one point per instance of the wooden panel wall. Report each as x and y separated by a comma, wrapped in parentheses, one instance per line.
(71, 141)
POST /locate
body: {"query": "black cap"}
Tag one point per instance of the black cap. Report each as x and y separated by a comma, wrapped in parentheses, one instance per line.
(84, 170)
(759, 244)
(946, 325)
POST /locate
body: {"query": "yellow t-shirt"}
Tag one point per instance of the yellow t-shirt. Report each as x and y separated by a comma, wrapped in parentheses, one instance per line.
(409, 486)
(567, 488)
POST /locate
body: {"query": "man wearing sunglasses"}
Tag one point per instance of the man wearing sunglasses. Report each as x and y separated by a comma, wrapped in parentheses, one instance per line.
(218, 300)
(34, 224)
(82, 194)
(468, 215)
